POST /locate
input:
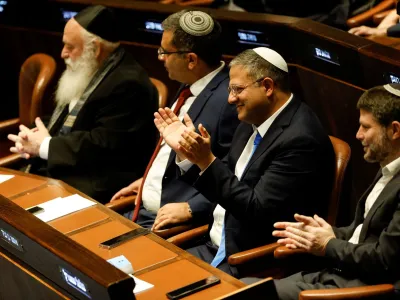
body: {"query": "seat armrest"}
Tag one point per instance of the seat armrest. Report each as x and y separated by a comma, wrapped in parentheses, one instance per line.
(122, 204)
(283, 252)
(348, 293)
(377, 18)
(369, 14)
(169, 232)
(252, 254)
(187, 236)
(9, 160)
(9, 126)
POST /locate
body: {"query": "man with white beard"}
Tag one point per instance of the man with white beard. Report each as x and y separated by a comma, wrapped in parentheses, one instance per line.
(105, 104)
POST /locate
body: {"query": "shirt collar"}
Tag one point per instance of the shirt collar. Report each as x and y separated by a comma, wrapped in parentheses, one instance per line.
(392, 168)
(197, 87)
(263, 128)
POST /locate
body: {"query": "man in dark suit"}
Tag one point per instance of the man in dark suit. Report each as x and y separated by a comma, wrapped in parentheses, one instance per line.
(192, 55)
(291, 168)
(367, 251)
(105, 105)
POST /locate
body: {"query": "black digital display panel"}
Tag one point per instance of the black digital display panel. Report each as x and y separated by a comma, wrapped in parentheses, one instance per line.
(75, 282)
(391, 78)
(153, 26)
(325, 55)
(10, 239)
(68, 14)
(3, 4)
(252, 37)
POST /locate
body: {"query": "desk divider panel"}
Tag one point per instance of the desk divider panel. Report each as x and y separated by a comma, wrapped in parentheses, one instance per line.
(62, 261)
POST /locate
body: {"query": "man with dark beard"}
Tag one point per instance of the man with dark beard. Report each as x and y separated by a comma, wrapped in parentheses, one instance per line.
(367, 251)
(105, 104)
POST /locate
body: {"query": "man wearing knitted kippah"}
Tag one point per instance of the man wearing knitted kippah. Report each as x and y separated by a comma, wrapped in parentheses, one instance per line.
(191, 53)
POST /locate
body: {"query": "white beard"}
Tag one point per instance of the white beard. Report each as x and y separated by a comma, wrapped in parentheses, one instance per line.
(75, 78)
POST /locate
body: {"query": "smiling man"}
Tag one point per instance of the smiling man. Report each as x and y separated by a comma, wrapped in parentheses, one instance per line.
(191, 53)
(367, 251)
(281, 160)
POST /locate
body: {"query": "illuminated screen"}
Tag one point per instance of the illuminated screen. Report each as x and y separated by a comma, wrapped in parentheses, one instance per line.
(75, 282)
(325, 55)
(67, 14)
(394, 79)
(252, 37)
(153, 26)
(3, 4)
(10, 239)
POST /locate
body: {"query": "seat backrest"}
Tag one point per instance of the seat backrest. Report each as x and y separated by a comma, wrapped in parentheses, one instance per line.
(35, 76)
(162, 92)
(342, 155)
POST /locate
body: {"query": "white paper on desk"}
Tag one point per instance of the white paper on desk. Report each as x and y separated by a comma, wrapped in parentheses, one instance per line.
(59, 207)
(140, 285)
(5, 177)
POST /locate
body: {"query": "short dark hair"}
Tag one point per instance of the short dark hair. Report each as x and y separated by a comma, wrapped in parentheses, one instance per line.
(257, 67)
(207, 47)
(382, 104)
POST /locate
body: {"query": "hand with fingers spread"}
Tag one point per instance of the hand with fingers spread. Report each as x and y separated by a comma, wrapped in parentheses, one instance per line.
(311, 234)
(170, 127)
(196, 147)
(28, 141)
(172, 213)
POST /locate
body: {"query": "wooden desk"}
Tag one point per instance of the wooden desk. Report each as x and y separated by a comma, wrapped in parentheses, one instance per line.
(153, 259)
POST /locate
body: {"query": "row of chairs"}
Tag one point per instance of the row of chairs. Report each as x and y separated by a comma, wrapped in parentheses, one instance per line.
(36, 75)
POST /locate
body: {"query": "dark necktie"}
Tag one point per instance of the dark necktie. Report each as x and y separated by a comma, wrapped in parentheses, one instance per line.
(183, 96)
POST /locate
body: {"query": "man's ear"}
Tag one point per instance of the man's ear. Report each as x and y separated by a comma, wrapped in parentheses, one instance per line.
(193, 60)
(395, 130)
(269, 86)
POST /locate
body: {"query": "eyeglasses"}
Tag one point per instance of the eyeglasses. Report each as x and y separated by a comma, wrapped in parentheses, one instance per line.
(237, 89)
(162, 52)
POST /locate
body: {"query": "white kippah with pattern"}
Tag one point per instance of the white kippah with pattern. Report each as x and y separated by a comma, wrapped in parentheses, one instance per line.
(272, 57)
(196, 23)
(393, 89)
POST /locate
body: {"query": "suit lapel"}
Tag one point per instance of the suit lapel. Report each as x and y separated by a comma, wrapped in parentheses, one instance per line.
(383, 196)
(283, 120)
(201, 100)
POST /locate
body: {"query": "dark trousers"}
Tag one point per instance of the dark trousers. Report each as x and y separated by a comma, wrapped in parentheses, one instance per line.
(290, 287)
(207, 252)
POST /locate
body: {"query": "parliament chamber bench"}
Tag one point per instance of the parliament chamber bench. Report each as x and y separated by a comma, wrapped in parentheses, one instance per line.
(330, 68)
(36, 259)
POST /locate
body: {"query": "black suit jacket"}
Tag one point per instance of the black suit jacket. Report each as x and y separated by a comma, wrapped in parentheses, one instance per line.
(291, 171)
(211, 108)
(112, 138)
(376, 258)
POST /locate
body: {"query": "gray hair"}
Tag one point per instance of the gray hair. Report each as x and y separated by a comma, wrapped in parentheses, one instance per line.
(257, 67)
(207, 47)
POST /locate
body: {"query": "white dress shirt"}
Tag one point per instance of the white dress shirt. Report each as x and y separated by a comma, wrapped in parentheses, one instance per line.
(151, 194)
(44, 146)
(219, 212)
(388, 172)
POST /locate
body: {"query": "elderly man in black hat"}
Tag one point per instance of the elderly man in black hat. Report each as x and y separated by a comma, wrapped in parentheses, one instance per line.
(105, 104)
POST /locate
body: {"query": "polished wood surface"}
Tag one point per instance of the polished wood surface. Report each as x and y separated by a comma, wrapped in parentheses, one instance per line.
(153, 259)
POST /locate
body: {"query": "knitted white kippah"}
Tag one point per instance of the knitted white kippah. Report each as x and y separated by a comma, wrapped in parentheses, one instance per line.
(272, 57)
(196, 23)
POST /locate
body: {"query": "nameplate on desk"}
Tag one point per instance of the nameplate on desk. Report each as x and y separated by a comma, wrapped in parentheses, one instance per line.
(75, 282)
(324, 54)
(10, 239)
